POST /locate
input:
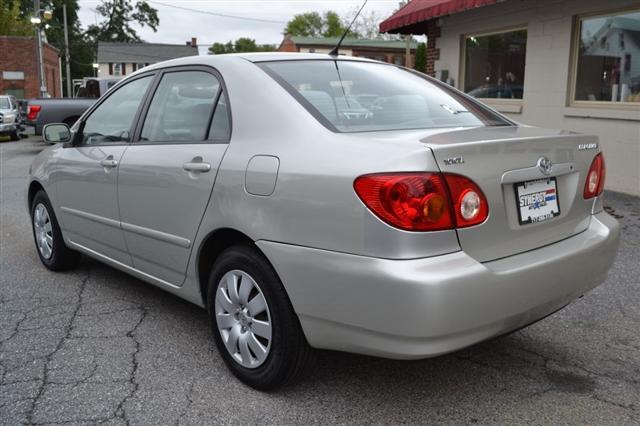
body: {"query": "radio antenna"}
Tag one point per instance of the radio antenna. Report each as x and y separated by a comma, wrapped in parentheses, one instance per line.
(334, 51)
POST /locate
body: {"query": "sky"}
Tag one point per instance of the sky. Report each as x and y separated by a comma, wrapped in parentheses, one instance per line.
(178, 25)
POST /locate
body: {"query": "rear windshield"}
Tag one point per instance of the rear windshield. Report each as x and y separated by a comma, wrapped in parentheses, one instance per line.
(350, 96)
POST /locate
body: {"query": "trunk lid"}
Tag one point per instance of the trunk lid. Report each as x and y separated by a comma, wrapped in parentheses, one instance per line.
(498, 158)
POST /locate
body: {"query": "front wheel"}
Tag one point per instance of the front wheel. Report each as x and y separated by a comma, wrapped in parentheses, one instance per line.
(254, 325)
(52, 250)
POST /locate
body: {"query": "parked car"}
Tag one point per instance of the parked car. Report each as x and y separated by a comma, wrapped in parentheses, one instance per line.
(236, 182)
(10, 118)
(502, 91)
(43, 111)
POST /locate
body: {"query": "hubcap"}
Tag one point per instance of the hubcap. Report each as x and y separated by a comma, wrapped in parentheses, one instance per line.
(43, 231)
(243, 318)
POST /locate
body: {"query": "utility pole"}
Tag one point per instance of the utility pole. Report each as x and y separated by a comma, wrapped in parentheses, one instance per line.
(43, 87)
(66, 50)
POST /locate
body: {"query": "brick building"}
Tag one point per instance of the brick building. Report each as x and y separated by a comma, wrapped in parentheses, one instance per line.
(564, 64)
(19, 69)
(391, 51)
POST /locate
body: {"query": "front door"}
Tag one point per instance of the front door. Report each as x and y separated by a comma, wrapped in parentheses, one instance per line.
(166, 176)
(87, 173)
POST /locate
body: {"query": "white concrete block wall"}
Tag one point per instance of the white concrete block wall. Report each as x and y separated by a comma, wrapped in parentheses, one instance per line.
(549, 26)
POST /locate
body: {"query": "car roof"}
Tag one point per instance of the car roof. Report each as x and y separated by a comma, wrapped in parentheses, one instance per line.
(293, 56)
(257, 57)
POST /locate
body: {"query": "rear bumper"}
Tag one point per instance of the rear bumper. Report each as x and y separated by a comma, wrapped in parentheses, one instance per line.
(418, 308)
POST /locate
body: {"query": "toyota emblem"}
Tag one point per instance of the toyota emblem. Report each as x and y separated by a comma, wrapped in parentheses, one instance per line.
(545, 165)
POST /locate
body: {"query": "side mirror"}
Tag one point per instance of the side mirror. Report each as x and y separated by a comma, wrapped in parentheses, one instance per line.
(54, 133)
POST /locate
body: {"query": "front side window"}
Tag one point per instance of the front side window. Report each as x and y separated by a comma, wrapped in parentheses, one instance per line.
(181, 107)
(110, 122)
(494, 65)
(608, 58)
(351, 96)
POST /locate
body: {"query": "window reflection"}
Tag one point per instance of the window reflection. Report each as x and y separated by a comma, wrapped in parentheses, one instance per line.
(608, 66)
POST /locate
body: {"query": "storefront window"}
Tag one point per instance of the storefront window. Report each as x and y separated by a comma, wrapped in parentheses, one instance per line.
(494, 65)
(608, 65)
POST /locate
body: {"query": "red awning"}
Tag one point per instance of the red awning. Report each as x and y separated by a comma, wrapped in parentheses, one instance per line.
(417, 11)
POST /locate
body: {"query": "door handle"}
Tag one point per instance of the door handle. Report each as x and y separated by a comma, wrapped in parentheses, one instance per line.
(109, 162)
(197, 166)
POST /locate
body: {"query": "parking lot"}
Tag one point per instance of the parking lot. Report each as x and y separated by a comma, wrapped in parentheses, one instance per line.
(95, 345)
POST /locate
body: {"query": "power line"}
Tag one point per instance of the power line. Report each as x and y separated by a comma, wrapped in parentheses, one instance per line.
(221, 15)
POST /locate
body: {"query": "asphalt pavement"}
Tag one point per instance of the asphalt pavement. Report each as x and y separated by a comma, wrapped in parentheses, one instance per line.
(97, 346)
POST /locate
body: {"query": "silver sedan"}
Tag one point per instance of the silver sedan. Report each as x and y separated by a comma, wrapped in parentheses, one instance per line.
(309, 201)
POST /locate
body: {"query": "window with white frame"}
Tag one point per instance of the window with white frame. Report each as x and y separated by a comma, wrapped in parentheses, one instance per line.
(494, 64)
(607, 66)
(117, 69)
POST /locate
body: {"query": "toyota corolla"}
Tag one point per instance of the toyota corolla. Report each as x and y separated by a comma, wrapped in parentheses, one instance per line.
(311, 201)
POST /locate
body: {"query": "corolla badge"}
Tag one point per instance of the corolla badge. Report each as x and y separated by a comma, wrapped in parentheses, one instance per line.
(545, 165)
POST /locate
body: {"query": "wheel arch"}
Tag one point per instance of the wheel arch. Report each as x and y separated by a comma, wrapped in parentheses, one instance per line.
(211, 247)
(34, 187)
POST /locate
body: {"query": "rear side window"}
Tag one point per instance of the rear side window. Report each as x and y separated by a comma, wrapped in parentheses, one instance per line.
(350, 96)
(181, 107)
(220, 124)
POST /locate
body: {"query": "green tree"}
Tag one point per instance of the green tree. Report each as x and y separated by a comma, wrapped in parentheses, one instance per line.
(332, 25)
(421, 58)
(312, 24)
(81, 50)
(309, 24)
(243, 44)
(118, 16)
(12, 21)
(218, 49)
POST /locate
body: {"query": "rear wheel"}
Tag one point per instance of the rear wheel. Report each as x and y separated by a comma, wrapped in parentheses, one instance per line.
(50, 245)
(254, 325)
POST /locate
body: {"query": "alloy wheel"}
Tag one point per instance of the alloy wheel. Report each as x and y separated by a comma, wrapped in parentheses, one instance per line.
(243, 318)
(43, 230)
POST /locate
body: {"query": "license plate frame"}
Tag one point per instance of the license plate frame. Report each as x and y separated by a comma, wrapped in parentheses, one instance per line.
(545, 187)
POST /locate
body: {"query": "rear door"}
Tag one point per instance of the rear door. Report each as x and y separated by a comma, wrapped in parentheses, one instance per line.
(166, 176)
(528, 207)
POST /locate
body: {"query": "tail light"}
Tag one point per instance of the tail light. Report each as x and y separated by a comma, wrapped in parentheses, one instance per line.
(32, 112)
(470, 204)
(423, 201)
(595, 178)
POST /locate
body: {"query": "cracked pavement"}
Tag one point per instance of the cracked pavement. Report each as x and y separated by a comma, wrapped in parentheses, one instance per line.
(95, 346)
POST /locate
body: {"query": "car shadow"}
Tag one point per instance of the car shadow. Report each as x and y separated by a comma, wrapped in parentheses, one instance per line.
(523, 362)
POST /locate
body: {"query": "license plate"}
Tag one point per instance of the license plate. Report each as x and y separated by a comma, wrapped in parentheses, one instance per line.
(537, 200)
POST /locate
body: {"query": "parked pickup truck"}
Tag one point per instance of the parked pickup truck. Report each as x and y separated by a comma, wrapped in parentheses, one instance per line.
(67, 110)
(56, 110)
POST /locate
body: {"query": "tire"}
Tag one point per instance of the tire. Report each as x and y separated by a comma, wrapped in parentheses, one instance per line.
(50, 246)
(15, 136)
(288, 355)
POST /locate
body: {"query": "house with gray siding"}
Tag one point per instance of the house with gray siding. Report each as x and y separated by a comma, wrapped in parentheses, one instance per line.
(121, 59)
